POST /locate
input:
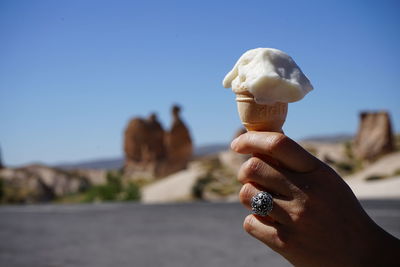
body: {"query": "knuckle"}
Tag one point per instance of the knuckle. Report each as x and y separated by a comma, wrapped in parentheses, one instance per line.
(277, 242)
(252, 167)
(297, 216)
(250, 138)
(300, 213)
(276, 142)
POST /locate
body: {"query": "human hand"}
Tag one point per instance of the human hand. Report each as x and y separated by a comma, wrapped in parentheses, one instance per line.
(316, 220)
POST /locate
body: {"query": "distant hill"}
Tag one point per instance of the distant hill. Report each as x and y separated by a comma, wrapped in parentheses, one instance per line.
(210, 149)
(118, 162)
(107, 164)
(200, 151)
(333, 138)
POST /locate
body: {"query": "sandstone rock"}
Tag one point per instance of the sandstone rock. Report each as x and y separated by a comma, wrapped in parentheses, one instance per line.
(179, 144)
(61, 183)
(37, 183)
(156, 138)
(374, 137)
(144, 146)
(1, 162)
(20, 186)
(231, 159)
(135, 141)
(150, 152)
(93, 176)
(176, 187)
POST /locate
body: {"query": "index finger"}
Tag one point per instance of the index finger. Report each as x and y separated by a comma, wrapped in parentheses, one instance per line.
(277, 146)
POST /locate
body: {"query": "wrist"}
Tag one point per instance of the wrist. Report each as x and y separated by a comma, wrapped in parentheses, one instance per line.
(381, 248)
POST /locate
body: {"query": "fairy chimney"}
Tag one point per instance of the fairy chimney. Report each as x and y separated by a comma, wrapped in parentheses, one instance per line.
(1, 162)
(155, 140)
(179, 143)
(374, 137)
(151, 152)
(135, 141)
(144, 141)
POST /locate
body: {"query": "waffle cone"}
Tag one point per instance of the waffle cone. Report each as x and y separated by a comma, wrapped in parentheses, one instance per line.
(256, 117)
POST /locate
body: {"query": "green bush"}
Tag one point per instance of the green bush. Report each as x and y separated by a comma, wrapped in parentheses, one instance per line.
(131, 192)
(397, 142)
(199, 186)
(348, 148)
(102, 193)
(396, 172)
(113, 190)
(345, 167)
(374, 177)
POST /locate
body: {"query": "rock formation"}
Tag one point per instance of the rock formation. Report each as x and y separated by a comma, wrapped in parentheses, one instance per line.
(1, 162)
(156, 144)
(179, 144)
(135, 141)
(37, 183)
(231, 159)
(144, 141)
(151, 152)
(374, 137)
(144, 147)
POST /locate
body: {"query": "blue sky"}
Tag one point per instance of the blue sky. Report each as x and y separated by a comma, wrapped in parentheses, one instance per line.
(72, 73)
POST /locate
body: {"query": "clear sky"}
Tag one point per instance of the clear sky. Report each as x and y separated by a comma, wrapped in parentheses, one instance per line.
(72, 73)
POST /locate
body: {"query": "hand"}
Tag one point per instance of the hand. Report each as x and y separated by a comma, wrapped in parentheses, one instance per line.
(316, 219)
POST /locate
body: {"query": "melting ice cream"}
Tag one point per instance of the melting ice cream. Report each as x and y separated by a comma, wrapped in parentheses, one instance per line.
(270, 75)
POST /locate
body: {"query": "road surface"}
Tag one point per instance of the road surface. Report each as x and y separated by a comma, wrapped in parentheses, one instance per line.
(131, 234)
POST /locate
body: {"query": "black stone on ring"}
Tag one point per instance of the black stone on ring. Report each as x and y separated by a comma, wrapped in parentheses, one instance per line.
(262, 203)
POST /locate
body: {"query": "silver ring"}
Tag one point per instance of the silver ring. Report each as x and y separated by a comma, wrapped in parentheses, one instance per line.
(262, 203)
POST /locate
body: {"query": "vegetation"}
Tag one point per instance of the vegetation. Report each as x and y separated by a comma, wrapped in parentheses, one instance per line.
(113, 190)
(217, 182)
(397, 141)
(312, 150)
(201, 184)
(345, 167)
(396, 172)
(352, 164)
(374, 177)
(1, 190)
(348, 148)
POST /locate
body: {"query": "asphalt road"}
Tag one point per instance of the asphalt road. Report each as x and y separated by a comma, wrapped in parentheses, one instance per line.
(197, 234)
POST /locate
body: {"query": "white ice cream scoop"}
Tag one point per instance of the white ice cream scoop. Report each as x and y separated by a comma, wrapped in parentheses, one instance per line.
(270, 75)
(264, 81)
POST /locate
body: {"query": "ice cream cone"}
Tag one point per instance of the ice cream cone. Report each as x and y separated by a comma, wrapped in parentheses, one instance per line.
(256, 117)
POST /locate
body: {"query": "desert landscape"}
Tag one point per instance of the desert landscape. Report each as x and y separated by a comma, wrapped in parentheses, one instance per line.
(160, 167)
(117, 119)
(118, 218)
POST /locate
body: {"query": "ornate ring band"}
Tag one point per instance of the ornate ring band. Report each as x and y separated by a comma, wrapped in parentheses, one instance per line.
(262, 203)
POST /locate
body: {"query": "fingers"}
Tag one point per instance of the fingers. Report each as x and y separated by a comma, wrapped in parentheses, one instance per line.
(278, 146)
(257, 171)
(277, 213)
(264, 230)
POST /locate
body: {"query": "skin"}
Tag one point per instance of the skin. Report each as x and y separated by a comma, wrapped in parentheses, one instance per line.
(316, 219)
